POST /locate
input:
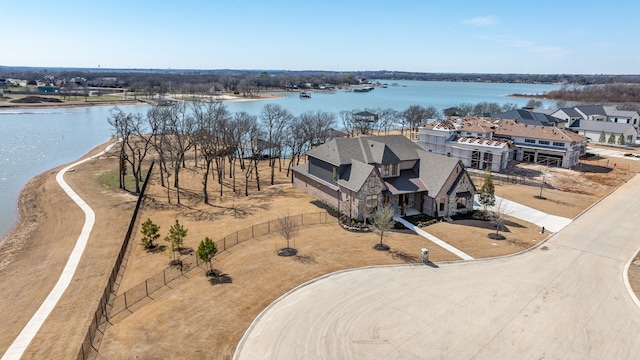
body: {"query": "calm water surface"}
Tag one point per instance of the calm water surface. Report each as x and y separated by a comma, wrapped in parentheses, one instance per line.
(33, 141)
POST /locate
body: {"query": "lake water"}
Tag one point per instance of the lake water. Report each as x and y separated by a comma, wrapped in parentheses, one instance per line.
(33, 141)
(440, 94)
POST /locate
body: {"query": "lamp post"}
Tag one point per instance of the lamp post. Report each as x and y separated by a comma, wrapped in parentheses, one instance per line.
(541, 186)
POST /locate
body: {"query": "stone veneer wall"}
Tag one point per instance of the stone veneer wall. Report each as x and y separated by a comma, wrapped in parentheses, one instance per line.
(462, 187)
(369, 189)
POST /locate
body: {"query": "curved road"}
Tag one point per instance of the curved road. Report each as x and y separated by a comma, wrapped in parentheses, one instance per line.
(568, 299)
(30, 330)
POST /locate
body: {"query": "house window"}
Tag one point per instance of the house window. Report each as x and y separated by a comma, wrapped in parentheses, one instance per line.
(372, 181)
(543, 142)
(441, 206)
(629, 138)
(335, 173)
(372, 202)
(394, 169)
(461, 203)
(529, 141)
(560, 144)
(385, 170)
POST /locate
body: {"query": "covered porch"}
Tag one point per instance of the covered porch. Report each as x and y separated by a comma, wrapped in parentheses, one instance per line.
(405, 192)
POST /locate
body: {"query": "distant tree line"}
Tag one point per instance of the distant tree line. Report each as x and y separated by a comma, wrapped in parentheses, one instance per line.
(251, 82)
(597, 94)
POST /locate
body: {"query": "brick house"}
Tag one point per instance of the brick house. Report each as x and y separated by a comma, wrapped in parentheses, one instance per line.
(359, 174)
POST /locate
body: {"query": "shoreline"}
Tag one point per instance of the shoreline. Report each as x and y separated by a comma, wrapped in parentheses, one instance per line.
(6, 105)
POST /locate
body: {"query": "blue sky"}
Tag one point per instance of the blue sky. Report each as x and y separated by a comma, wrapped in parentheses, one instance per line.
(543, 37)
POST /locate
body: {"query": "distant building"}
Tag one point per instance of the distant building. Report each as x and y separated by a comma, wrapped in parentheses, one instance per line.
(468, 139)
(528, 116)
(601, 132)
(602, 113)
(49, 89)
(482, 142)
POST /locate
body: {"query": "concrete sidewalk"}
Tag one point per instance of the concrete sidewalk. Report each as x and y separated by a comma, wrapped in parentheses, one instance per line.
(432, 238)
(550, 222)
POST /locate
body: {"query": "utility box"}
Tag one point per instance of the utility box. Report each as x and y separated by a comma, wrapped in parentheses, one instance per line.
(425, 255)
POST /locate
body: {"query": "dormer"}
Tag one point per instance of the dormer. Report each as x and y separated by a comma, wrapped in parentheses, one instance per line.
(389, 170)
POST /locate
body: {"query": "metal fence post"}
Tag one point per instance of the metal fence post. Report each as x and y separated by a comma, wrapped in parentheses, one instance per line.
(164, 277)
(146, 288)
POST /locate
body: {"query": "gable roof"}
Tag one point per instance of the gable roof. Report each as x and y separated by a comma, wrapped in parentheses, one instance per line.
(598, 126)
(435, 170)
(592, 110)
(354, 176)
(388, 149)
(570, 112)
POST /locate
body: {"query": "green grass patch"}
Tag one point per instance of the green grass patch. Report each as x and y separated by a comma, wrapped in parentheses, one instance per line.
(111, 180)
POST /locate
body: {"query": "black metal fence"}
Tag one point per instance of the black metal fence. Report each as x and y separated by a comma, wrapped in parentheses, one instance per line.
(111, 305)
(100, 318)
(172, 275)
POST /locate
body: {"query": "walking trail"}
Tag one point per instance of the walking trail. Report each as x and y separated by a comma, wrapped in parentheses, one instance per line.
(30, 330)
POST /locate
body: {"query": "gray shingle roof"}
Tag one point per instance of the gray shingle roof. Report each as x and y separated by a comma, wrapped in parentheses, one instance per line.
(435, 170)
(571, 112)
(355, 175)
(597, 126)
(407, 182)
(529, 117)
(388, 149)
(592, 109)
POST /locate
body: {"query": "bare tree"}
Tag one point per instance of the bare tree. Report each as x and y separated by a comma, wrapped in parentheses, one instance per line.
(212, 119)
(382, 223)
(484, 108)
(465, 109)
(180, 126)
(288, 229)
(123, 130)
(250, 149)
(416, 115)
(498, 215)
(346, 118)
(274, 119)
(389, 118)
(136, 141)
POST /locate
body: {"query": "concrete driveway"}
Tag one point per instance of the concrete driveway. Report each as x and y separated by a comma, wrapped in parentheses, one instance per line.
(566, 299)
(550, 222)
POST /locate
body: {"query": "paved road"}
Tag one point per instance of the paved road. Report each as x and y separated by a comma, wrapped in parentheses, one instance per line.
(567, 299)
(30, 330)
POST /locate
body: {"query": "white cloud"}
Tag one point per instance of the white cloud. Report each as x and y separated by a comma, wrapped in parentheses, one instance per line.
(608, 45)
(481, 21)
(548, 51)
